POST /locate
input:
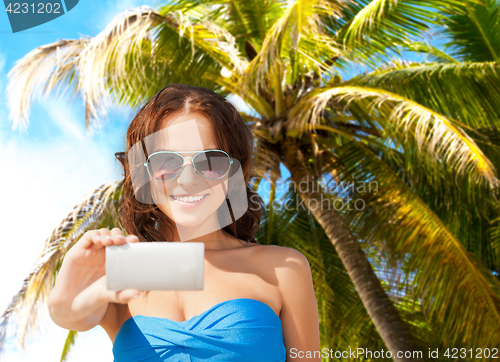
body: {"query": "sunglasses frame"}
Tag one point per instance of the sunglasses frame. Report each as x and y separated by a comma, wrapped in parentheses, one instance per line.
(184, 163)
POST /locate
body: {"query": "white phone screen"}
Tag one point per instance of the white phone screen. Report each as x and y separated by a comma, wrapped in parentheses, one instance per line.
(158, 265)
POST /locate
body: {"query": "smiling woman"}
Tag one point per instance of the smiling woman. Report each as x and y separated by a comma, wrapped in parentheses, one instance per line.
(197, 119)
(187, 168)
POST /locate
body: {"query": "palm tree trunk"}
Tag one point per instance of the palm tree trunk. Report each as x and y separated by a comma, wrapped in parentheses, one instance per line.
(383, 313)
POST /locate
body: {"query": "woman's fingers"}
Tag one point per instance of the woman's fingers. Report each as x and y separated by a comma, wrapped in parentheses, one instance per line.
(98, 239)
(117, 235)
(105, 237)
(123, 296)
(132, 239)
(120, 239)
(88, 239)
(111, 296)
(94, 239)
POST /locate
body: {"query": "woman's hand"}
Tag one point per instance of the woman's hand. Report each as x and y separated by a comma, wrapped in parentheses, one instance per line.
(80, 289)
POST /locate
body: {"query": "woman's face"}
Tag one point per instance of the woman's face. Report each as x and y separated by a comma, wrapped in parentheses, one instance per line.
(188, 134)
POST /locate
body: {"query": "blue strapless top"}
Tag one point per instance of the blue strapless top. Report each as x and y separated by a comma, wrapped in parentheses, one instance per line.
(240, 329)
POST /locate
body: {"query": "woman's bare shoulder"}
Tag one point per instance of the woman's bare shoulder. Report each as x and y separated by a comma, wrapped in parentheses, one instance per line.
(288, 267)
(280, 256)
(271, 258)
(283, 252)
(287, 262)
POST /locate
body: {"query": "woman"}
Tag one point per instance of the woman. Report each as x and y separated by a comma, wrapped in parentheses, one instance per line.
(258, 301)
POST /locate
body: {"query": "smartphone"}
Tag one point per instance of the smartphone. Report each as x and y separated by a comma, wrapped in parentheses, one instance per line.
(160, 265)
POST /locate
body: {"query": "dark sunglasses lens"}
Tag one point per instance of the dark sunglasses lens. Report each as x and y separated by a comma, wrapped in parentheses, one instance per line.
(212, 164)
(164, 166)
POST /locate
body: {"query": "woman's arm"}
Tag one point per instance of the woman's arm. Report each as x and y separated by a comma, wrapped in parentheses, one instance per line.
(299, 313)
(79, 299)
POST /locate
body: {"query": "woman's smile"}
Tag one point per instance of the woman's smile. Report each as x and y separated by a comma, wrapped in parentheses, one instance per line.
(188, 202)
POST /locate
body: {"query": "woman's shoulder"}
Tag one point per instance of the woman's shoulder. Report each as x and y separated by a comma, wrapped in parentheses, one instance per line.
(281, 255)
(281, 261)
(279, 250)
(287, 266)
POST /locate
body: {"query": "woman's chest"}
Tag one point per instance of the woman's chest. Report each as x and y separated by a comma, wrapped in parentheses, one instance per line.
(241, 329)
(224, 280)
(219, 285)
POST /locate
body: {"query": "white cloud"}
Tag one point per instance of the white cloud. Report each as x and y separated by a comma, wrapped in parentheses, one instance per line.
(64, 117)
(2, 65)
(3, 103)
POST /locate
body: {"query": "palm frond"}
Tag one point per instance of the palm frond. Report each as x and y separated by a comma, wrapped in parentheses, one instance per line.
(47, 65)
(467, 92)
(214, 40)
(464, 207)
(106, 58)
(435, 54)
(141, 49)
(26, 303)
(434, 133)
(70, 341)
(376, 29)
(298, 37)
(494, 231)
(249, 20)
(252, 19)
(230, 84)
(473, 31)
(137, 54)
(385, 257)
(459, 296)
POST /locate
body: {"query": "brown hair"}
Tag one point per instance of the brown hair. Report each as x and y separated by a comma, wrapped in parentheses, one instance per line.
(232, 136)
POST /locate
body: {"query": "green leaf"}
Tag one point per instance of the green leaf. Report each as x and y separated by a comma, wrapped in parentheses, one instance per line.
(439, 139)
(452, 284)
(375, 30)
(474, 31)
(466, 92)
(70, 341)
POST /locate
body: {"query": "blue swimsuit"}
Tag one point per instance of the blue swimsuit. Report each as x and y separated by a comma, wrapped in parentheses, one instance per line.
(240, 329)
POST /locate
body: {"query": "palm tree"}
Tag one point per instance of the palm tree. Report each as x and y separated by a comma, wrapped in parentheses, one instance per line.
(424, 133)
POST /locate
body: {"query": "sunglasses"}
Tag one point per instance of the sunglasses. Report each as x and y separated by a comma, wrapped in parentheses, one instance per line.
(166, 165)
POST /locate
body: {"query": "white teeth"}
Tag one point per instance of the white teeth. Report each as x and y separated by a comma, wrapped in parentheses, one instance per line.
(189, 199)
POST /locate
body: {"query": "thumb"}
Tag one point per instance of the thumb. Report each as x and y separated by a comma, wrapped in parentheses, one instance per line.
(123, 296)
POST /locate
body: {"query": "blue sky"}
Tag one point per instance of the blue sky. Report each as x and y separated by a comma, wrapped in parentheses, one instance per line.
(49, 169)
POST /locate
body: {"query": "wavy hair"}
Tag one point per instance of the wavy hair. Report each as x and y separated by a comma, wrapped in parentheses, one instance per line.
(231, 134)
